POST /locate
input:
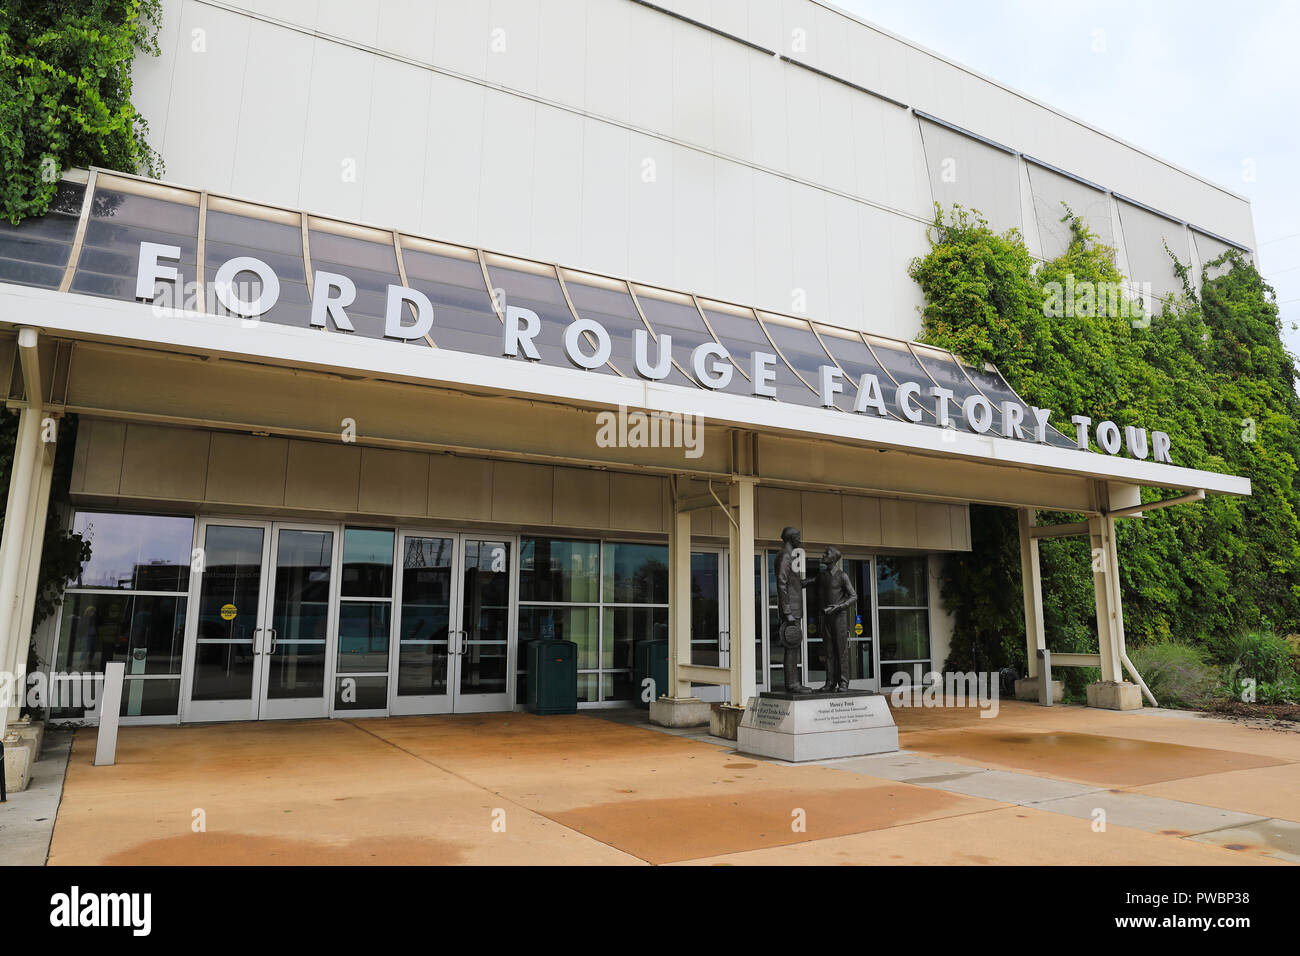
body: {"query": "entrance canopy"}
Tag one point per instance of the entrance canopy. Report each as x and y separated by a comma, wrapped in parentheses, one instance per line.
(124, 261)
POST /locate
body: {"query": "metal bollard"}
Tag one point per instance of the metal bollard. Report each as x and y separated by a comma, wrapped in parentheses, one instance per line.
(1045, 677)
(110, 710)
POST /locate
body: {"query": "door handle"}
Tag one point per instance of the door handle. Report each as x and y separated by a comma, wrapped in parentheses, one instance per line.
(724, 640)
(271, 650)
(464, 635)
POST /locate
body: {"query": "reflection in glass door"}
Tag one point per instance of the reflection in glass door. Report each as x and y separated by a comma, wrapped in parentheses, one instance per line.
(482, 654)
(454, 649)
(710, 637)
(225, 677)
(261, 635)
(295, 642)
(426, 590)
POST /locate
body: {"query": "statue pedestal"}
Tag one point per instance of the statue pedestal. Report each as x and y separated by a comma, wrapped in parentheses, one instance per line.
(817, 726)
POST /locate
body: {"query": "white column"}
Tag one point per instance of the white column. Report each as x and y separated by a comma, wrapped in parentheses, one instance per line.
(740, 582)
(679, 604)
(1032, 586)
(14, 544)
(37, 514)
(1105, 581)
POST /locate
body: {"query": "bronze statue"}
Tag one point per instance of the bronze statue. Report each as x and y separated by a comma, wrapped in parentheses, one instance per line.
(839, 600)
(789, 602)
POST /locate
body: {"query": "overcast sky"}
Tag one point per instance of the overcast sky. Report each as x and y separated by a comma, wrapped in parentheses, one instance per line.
(1207, 86)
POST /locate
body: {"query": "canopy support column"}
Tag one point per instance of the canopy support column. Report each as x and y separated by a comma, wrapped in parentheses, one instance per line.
(740, 580)
(1112, 692)
(674, 706)
(22, 537)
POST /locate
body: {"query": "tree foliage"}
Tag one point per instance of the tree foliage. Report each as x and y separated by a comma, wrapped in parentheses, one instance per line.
(65, 94)
(1208, 368)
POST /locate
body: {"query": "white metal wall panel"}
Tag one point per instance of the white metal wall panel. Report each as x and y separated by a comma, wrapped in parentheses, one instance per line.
(314, 83)
(273, 123)
(1050, 190)
(1145, 238)
(978, 176)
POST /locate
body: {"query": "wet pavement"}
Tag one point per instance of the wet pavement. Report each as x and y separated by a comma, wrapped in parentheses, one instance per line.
(1063, 785)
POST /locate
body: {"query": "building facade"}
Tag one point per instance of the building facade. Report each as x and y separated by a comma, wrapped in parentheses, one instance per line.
(460, 325)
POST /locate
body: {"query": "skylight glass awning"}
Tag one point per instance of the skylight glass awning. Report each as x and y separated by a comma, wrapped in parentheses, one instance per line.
(90, 243)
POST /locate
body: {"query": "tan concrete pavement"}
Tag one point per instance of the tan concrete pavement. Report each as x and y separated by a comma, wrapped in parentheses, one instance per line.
(515, 788)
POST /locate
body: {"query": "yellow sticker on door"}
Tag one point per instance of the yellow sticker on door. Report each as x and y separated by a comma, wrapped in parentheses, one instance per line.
(228, 612)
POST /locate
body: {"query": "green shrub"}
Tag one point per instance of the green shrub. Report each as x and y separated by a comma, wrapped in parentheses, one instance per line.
(1177, 674)
(1261, 655)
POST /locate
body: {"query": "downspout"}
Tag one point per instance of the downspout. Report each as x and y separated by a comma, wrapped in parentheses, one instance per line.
(1128, 665)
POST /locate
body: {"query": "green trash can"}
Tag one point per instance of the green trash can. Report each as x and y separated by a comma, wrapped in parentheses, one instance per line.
(553, 677)
(651, 661)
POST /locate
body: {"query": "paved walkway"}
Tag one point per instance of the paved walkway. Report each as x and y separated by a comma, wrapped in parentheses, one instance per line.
(1034, 785)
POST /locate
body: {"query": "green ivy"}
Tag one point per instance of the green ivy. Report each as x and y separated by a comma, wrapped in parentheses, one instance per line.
(65, 94)
(1211, 370)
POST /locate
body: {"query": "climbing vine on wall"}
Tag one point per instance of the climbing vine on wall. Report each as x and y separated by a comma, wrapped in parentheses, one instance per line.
(65, 94)
(1209, 368)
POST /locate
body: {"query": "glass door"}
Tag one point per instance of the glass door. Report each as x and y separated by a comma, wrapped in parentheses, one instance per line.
(481, 659)
(455, 647)
(426, 598)
(862, 637)
(710, 637)
(296, 637)
(229, 579)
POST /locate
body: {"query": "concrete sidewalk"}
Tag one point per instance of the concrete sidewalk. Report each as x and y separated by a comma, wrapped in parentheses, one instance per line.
(601, 788)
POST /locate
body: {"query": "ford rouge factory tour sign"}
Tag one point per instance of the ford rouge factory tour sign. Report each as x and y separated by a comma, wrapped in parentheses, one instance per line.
(587, 345)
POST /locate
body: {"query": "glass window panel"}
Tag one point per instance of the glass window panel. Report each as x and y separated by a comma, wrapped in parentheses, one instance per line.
(28, 273)
(361, 693)
(136, 552)
(578, 624)
(705, 608)
(58, 225)
(372, 267)
(903, 366)
(739, 331)
(463, 317)
(912, 674)
(943, 368)
(996, 390)
(367, 562)
(232, 580)
(251, 234)
(904, 635)
(110, 251)
(612, 307)
(363, 636)
(147, 632)
(675, 316)
(636, 573)
(537, 288)
(856, 359)
(557, 570)
(626, 628)
(800, 348)
(588, 688)
(150, 698)
(901, 581)
(425, 615)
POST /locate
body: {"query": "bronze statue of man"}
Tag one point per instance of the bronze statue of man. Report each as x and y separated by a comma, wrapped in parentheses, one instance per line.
(789, 602)
(839, 600)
